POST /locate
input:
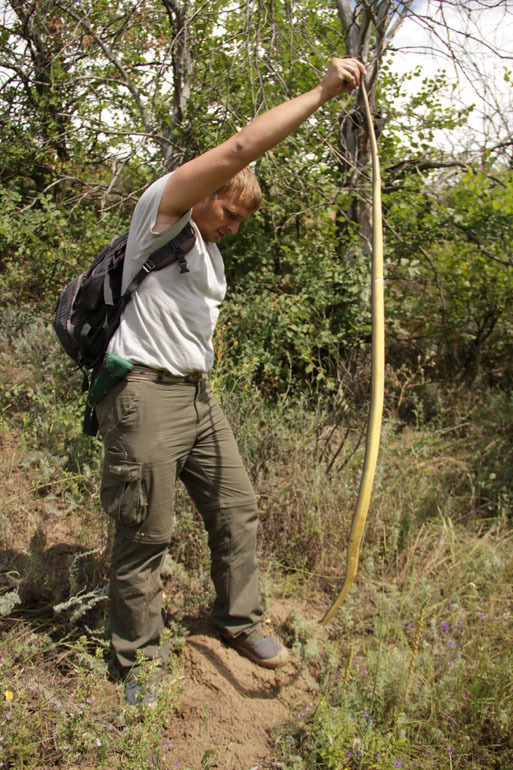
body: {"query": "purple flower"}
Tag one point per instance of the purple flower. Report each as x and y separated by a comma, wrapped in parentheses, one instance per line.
(449, 751)
(397, 763)
(451, 644)
(445, 627)
(348, 754)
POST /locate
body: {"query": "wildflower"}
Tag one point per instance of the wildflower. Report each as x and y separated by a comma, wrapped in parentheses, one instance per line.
(365, 671)
(307, 707)
(445, 627)
(167, 744)
(8, 695)
(451, 644)
(177, 763)
(90, 699)
(98, 742)
(397, 763)
(449, 752)
(348, 754)
(300, 716)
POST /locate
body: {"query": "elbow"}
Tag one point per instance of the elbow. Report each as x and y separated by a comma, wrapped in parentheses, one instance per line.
(242, 150)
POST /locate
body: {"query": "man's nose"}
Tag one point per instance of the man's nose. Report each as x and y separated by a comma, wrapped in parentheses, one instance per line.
(233, 227)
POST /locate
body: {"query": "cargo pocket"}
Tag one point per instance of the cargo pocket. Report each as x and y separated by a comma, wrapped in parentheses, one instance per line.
(122, 491)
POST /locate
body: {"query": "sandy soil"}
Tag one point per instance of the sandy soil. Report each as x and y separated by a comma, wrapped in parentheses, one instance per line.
(233, 705)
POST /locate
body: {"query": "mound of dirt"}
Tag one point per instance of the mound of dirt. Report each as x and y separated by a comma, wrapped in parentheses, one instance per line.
(232, 706)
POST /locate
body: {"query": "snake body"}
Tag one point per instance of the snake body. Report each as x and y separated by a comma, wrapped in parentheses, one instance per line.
(377, 375)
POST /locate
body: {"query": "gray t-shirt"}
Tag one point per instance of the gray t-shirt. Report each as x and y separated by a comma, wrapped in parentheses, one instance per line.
(169, 322)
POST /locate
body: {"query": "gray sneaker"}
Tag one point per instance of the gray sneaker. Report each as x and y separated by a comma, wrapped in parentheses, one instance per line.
(266, 652)
(140, 694)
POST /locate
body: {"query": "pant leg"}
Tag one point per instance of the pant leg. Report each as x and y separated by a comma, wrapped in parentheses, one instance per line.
(221, 489)
(135, 594)
(148, 429)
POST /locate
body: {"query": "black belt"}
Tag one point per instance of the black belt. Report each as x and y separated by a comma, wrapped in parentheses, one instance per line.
(160, 375)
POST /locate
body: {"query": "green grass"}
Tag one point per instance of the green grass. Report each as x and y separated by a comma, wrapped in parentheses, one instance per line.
(426, 679)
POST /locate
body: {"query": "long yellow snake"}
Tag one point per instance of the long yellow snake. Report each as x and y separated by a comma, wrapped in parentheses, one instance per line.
(377, 375)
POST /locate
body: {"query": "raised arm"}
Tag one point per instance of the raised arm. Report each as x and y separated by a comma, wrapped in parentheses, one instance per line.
(205, 174)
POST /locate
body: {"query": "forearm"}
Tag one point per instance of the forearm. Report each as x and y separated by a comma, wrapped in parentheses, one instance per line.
(273, 126)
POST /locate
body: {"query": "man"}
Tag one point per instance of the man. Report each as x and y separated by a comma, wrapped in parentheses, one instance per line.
(162, 421)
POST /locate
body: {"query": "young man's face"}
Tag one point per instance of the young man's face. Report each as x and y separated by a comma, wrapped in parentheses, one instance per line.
(219, 215)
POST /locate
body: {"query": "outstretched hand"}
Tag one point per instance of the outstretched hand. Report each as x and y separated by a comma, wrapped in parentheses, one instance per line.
(342, 76)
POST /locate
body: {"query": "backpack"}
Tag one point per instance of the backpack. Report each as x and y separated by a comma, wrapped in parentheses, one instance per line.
(89, 309)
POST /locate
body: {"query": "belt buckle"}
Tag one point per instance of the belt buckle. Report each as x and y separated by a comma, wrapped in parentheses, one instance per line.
(194, 376)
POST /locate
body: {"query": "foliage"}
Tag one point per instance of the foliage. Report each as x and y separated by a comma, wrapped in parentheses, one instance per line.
(418, 683)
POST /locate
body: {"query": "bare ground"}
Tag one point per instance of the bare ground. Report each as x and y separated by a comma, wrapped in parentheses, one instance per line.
(233, 705)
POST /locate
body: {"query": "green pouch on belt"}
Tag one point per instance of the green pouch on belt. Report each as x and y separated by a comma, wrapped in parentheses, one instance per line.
(113, 370)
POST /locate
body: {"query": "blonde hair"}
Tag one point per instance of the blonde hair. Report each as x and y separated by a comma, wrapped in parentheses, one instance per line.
(244, 187)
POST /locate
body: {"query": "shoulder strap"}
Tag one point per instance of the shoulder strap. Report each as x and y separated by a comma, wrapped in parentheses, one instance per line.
(174, 250)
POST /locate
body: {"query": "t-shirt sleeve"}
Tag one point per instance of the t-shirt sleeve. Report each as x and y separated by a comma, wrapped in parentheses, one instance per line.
(142, 241)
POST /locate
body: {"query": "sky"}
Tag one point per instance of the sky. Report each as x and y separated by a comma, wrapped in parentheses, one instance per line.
(482, 42)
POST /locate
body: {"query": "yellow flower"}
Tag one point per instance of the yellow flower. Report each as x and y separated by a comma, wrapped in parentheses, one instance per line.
(9, 695)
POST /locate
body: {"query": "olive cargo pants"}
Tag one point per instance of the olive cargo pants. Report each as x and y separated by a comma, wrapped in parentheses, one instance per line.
(154, 433)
